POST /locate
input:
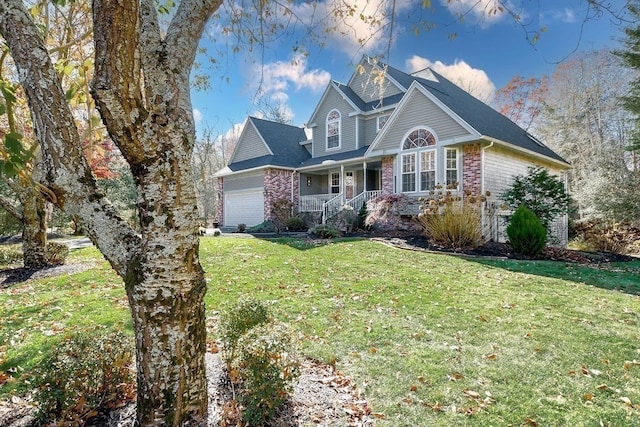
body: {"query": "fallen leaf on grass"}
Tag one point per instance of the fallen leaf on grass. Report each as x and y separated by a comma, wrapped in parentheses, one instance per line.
(378, 415)
(531, 422)
(626, 401)
(455, 376)
(588, 397)
(492, 356)
(629, 363)
(602, 387)
(471, 394)
(414, 388)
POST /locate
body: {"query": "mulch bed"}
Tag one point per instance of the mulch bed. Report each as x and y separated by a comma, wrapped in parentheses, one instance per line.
(504, 251)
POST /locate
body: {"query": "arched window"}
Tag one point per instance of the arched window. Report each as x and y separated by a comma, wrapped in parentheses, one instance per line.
(419, 165)
(419, 138)
(333, 129)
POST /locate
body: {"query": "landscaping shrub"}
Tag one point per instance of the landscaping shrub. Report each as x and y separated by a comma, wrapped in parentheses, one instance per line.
(296, 224)
(326, 232)
(84, 376)
(268, 370)
(384, 212)
(236, 321)
(257, 352)
(527, 234)
(56, 253)
(362, 217)
(264, 227)
(280, 213)
(10, 254)
(452, 221)
(455, 227)
(241, 228)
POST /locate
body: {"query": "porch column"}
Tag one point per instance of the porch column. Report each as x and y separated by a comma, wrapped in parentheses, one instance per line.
(342, 187)
(364, 176)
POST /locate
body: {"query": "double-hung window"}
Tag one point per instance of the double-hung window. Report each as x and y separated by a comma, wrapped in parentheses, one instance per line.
(451, 168)
(408, 172)
(427, 170)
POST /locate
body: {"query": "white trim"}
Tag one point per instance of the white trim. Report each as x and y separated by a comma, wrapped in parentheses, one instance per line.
(228, 172)
(457, 169)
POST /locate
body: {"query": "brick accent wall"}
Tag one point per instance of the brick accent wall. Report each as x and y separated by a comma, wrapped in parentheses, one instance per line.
(220, 207)
(472, 168)
(277, 185)
(387, 175)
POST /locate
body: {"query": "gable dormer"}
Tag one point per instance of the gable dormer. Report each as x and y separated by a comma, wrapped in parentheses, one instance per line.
(371, 82)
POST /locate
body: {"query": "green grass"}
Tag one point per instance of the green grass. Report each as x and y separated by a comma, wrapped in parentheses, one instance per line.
(429, 339)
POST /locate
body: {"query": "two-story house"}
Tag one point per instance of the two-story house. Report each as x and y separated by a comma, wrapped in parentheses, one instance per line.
(384, 131)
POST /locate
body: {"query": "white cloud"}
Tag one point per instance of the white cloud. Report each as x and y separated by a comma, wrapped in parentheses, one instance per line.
(473, 80)
(279, 76)
(197, 116)
(565, 15)
(481, 12)
(353, 26)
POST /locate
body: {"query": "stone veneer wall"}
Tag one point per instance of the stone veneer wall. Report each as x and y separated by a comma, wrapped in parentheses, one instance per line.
(220, 207)
(472, 168)
(387, 175)
(278, 185)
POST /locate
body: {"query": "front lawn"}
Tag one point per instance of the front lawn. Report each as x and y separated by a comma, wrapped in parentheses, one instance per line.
(429, 339)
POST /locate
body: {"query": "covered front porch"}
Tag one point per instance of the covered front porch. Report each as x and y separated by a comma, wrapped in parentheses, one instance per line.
(327, 188)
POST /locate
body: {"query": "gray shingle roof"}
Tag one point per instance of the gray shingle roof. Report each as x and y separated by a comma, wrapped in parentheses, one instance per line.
(283, 141)
(477, 114)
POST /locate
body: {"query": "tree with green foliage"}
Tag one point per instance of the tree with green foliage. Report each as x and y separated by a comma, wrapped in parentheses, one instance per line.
(631, 58)
(541, 192)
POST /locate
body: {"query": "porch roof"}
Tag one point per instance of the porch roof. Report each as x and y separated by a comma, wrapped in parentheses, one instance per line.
(338, 157)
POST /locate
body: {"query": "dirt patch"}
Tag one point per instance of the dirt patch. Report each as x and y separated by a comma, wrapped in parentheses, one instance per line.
(322, 396)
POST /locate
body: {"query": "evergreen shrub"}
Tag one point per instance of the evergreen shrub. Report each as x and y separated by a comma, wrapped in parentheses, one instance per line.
(527, 235)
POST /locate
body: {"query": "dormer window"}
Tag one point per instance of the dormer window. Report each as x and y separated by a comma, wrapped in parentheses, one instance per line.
(333, 130)
(382, 120)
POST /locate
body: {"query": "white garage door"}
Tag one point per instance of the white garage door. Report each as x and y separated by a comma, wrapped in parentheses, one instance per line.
(243, 207)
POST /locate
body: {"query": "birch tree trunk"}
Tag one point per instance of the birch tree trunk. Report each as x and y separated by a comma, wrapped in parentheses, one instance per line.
(141, 88)
(34, 228)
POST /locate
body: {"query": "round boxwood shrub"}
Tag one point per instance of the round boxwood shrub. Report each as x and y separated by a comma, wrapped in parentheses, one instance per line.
(527, 234)
(296, 224)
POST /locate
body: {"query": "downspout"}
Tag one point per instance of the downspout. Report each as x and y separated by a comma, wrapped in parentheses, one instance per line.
(482, 188)
(293, 173)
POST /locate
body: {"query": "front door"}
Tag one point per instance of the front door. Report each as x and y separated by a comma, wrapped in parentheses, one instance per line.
(349, 184)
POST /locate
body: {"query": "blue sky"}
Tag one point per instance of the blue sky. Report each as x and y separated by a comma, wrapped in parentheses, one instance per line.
(484, 55)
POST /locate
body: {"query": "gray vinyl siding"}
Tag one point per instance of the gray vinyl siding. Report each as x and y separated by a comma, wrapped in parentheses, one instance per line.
(244, 182)
(319, 184)
(421, 111)
(502, 165)
(363, 85)
(370, 128)
(250, 145)
(348, 142)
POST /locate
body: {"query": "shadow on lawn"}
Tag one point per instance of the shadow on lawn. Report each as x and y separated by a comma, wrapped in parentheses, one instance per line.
(619, 276)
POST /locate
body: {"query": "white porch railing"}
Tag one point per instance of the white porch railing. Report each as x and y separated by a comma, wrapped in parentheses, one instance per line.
(364, 197)
(314, 203)
(332, 207)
